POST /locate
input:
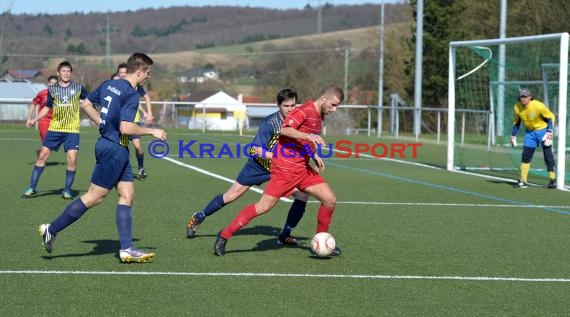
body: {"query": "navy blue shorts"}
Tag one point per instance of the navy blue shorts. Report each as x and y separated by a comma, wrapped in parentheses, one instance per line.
(112, 164)
(252, 174)
(54, 140)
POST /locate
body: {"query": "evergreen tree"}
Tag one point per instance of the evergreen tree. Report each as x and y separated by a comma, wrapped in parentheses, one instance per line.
(442, 24)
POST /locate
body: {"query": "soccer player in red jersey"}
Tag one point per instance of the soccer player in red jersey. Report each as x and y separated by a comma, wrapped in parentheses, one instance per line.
(256, 171)
(290, 166)
(40, 101)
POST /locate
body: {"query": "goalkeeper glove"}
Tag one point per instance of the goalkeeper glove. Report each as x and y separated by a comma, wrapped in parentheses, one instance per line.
(513, 141)
(547, 138)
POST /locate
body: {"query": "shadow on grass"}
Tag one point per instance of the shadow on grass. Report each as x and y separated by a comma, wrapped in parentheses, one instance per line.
(101, 247)
(49, 163)
(509, 183)
(56, 192)
(248, 231)
(267, 244)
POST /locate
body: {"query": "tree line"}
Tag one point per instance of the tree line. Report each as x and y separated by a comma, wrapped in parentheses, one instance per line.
(455, 20)
(305, 65)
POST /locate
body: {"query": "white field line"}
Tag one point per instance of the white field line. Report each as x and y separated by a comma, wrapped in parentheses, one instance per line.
(203, 171)
(298, 275)
(444, 204)
(257, 190)
(368, 156)
(439, 168)
(372, 157)
(329, 276)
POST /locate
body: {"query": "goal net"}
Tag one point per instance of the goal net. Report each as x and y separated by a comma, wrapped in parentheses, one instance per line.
(485, 78)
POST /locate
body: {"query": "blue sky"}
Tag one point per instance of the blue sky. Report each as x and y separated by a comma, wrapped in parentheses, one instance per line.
(67, 6)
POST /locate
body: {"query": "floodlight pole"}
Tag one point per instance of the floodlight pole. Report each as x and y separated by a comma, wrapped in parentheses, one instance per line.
(501, 76)
(418, 68)
(381, 73)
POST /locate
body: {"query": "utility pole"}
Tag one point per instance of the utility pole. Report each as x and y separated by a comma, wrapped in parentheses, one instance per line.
(108, 42)
(346, 53)
(319, 18)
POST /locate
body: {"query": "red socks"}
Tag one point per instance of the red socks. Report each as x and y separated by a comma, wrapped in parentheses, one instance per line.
(324, 216)
(240, 221)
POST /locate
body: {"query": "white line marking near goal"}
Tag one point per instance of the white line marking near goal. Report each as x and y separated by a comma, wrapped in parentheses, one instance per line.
(257, 190)
(387, 203)
(439, 168)
(203, 171)
(301, 275)
(454, 189)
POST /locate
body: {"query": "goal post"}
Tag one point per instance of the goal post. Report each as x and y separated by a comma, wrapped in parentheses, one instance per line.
(484, 85)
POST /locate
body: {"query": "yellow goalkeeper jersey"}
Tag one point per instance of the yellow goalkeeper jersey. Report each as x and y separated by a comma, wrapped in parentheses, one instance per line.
(534, 116)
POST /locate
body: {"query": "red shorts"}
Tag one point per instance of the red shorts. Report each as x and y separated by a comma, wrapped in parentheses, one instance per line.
(283, 184)
(43, 126)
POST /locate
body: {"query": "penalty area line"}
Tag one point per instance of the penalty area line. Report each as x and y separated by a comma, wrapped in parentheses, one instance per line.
(298, 275)
(259, 191)
(220, 177)
(387, 203)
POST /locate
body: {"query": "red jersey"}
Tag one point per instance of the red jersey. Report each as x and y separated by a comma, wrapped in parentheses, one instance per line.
(40, 99)
(293, 154)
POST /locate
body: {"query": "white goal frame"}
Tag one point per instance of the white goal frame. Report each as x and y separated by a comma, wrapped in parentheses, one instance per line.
(562, 95)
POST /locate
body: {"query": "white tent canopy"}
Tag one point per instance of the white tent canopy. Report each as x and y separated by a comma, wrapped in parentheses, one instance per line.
(219, 111)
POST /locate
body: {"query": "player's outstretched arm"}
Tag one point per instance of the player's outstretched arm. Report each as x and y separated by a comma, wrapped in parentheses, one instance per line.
(141, 109)
(320, 164)
(41, 114)
(261, 152)
(131, 128)
(149, 117)
(296, 134)
(159, 134)
(30, 114)
(90, 110)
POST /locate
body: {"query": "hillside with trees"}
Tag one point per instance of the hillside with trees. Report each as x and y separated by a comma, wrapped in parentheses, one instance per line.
(175, 29)
(258, 51)
(255, 50)
(446, 21)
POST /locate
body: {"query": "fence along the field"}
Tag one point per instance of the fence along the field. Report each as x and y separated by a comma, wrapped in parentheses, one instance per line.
(396, 120)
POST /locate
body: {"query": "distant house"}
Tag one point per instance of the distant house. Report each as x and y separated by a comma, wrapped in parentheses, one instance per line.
(212, 110)
(23, 74)
(16, 97)
(257, 111)
(198, 75)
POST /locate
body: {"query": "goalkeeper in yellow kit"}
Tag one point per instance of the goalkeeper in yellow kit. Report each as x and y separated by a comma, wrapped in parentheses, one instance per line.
(538, 121)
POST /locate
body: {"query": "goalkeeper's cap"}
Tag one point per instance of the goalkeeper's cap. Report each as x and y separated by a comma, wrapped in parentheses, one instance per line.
(525, 92)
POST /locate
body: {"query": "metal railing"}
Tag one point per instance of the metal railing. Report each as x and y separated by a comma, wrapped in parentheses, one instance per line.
(183, 114)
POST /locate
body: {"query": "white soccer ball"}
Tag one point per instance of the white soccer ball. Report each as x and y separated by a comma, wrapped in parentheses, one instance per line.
(323, 244)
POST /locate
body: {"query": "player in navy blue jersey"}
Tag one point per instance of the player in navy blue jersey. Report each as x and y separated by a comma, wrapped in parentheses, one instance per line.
(148, 118)
(118, 101)
(256, 172)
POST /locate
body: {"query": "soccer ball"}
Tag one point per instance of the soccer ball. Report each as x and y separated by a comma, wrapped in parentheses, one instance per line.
(323, 244)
